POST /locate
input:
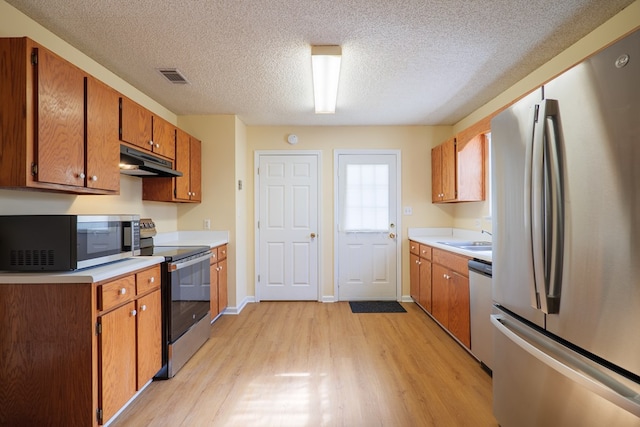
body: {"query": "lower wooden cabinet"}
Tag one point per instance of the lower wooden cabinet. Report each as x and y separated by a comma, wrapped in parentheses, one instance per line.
(219, 296)
(420, 274)
(440, 285)
(75, 353)
(149, 337)
(117, 362)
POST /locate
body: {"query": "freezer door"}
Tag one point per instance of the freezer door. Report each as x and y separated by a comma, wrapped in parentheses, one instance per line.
(511, 142)
(598, 121)
(542, 383)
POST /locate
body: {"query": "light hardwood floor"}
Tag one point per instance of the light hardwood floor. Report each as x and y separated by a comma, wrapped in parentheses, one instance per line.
(314, 364)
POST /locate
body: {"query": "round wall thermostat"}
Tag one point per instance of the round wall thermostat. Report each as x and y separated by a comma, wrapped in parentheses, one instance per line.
(292, 139)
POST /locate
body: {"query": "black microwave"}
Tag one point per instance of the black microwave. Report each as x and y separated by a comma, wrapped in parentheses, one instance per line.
(66, 242)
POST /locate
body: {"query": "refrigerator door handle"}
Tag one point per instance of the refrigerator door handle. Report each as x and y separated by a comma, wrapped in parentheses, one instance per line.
(558, 358)
(547, 207)
(528, 201)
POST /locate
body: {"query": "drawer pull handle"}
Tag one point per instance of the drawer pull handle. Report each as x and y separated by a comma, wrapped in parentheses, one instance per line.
(152, 279)
(123, 291)
(133, 312)
(143, 308)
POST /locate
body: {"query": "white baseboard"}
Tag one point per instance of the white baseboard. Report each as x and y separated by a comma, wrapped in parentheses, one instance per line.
(238, 309)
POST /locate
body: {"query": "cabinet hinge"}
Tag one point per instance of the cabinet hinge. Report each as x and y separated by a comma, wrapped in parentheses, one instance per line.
(99, 415)
(258, 225)
(34, 169)
(34, 57)
(258, 278)
(258, 171)
(98, 328)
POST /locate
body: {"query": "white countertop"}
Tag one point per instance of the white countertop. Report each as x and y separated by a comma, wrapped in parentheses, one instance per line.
(85, 275)
(432, 237)
(108, 271)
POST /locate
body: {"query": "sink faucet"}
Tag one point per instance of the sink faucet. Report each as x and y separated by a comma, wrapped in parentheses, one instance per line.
(485, 231)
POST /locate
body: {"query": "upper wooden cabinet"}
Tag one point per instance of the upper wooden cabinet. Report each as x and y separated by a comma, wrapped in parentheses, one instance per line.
(138, 126)
(188, 161)
(103, 151)
(186, 188)
(457, 169)
(443, 170)
(45, 144)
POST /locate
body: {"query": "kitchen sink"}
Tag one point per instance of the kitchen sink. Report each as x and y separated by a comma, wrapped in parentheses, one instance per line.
(470, 245)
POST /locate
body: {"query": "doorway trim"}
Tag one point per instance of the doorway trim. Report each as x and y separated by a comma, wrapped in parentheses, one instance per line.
(336, 215)
(256, 209)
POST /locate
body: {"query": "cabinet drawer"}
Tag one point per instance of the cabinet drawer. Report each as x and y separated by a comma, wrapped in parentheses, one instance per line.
(214, 256)
(452, 261)
(414, 247)
(114, 293)
(222, 252)
(148, 280)
(425, 252)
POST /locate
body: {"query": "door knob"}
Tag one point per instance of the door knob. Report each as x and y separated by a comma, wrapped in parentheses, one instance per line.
(392, 236)
(313, 235)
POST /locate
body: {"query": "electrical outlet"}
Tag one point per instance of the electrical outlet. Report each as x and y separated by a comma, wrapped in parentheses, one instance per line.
(408, 210)
(206, 224)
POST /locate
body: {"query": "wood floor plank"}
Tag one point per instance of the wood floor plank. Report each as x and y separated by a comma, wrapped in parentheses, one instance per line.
(314, 364)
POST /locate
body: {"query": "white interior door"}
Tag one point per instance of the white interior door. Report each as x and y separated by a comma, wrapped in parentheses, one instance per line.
(367, 191)
(287, 227)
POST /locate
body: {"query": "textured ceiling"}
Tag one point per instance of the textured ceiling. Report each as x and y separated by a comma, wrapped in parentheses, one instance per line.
(404, 61)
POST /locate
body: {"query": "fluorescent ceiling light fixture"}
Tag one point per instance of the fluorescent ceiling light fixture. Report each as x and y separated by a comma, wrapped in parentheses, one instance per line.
(325, 64)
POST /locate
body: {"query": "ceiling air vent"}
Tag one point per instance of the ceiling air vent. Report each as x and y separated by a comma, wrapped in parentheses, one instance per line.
(173, 75)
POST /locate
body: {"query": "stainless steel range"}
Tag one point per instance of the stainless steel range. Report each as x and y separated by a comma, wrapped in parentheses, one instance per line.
(186, 303)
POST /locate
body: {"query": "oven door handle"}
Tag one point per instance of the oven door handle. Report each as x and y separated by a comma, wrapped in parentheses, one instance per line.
(178, 265)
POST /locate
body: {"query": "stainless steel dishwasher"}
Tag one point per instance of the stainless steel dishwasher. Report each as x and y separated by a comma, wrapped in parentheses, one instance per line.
(480, 312)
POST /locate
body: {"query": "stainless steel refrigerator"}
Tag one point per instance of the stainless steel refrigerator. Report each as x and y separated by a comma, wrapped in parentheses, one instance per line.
(566, 247)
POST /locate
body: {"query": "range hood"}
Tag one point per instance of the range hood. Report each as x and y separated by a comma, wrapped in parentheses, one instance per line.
(144, 164)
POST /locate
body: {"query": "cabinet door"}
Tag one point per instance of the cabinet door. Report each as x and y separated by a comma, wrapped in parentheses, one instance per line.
(449, 170)
(149, 330)
(440, 294)
(195, 172)
(436, 174)
(59, 120)
(183, 164)
(425, 284)
(222, 285)
(459, 317)
(414, 277)
(164, 138)
(103, 146)
(135, 124)
(117, 361)
(470, 168)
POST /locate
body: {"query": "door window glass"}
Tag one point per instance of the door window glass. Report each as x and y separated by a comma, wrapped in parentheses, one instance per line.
(367, 197)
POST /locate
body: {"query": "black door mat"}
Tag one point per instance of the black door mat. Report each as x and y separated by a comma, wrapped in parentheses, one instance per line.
(376, 307)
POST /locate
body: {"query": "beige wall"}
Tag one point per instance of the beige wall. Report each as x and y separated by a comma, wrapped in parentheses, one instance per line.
(414, 143)
(220, 197)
